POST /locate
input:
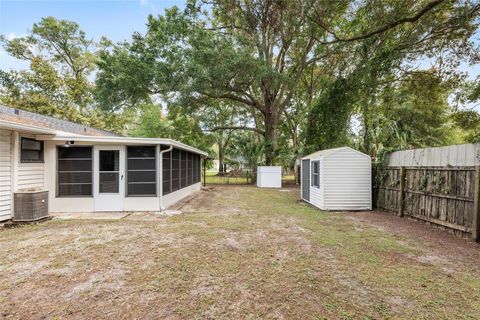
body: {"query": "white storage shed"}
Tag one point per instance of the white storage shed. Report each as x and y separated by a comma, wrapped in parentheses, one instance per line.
(269, 176)
(337, 179)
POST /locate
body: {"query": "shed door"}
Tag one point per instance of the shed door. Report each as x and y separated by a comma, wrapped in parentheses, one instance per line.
(306, 179)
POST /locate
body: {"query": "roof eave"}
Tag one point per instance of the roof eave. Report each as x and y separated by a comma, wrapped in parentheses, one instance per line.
(8, 125)
(121, 140)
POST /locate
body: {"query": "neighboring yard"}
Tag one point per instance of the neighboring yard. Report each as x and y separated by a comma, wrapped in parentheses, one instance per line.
(239, 252)
(214, 178)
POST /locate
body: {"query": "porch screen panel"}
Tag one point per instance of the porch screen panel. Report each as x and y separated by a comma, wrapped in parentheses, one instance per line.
(194, 163)
(141, 171)
(199, 176)
(190, 169)
(175, 169)
(183, 174)
(183, 168)
(198, 168)
(74, 172)
(167, 173)
(109, 170)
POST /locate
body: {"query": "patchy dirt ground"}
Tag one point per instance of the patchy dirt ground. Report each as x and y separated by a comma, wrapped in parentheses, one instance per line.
(238, 252)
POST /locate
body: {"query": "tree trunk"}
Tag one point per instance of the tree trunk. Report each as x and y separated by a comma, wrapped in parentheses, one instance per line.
(270, 138)
(366, 129)
(221, 159)
(295, 137)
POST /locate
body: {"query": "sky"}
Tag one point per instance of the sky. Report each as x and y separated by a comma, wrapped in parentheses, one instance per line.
(115, 19)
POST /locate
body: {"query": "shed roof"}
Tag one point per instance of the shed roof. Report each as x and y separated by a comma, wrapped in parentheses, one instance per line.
(328, 152)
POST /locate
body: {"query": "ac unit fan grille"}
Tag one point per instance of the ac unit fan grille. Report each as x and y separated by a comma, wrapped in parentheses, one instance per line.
(30, 206)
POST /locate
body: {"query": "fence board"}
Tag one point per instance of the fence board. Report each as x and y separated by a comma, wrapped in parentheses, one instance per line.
(439, 195)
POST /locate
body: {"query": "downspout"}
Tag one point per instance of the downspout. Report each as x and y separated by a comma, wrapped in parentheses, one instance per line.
(161, 176)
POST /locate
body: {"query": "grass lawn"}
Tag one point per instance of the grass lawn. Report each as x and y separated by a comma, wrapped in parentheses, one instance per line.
(239, 252)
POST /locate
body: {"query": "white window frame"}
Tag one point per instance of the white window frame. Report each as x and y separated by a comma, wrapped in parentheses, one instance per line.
(315, 174)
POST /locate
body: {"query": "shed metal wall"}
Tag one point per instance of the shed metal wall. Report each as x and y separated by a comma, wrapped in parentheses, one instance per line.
(5, 175)
(347, 181)
(269, 176)
(462, 155)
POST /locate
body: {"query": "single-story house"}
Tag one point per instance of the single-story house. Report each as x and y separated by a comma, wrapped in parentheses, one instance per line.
(87, 170)
(337, 179)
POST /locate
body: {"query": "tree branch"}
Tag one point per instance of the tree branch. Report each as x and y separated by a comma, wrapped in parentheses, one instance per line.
(382, 29)
(237, 128)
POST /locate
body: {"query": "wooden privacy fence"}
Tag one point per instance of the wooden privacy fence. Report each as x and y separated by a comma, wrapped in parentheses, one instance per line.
(444, 196)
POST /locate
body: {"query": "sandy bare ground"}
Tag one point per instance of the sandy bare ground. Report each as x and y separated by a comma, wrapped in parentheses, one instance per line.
(236, 253)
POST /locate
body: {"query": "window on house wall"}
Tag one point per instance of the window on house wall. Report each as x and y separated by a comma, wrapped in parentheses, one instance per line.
(74, 172)
(175, 170)
(167, 173)
(141, 171)
(316, 174)
(31, 150)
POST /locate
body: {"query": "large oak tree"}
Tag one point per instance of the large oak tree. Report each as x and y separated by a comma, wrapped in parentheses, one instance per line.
(255, 52)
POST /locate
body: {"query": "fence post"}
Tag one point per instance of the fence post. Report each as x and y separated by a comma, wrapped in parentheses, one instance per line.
(402, 192)
(476, 207)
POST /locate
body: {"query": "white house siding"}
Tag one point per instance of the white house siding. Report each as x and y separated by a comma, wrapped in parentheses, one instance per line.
(455, 155)
(5, 175)
(171, 198)
(141, 204)
(347, 181)
(27, 175)
(30, 176)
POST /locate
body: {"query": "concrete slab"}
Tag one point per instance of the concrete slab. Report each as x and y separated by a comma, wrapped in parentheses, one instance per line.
(150, 216)
(90, 215)
(142, 215)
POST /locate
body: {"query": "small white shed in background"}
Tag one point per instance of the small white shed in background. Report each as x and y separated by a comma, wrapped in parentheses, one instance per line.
(337, 179)
(269, 177)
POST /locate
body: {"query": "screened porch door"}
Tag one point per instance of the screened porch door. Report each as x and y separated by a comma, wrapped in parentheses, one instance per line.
(109, 164)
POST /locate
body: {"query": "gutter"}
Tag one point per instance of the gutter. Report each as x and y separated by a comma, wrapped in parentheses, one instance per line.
(161, 177)
(9, 125)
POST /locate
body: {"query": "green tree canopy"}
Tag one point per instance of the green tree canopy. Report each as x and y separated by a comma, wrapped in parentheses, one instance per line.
(62, 62)
(255, 53)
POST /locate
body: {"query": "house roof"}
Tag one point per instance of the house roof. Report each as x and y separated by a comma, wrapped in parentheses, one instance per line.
(327, 152)
(35, 119)
(51, 129)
